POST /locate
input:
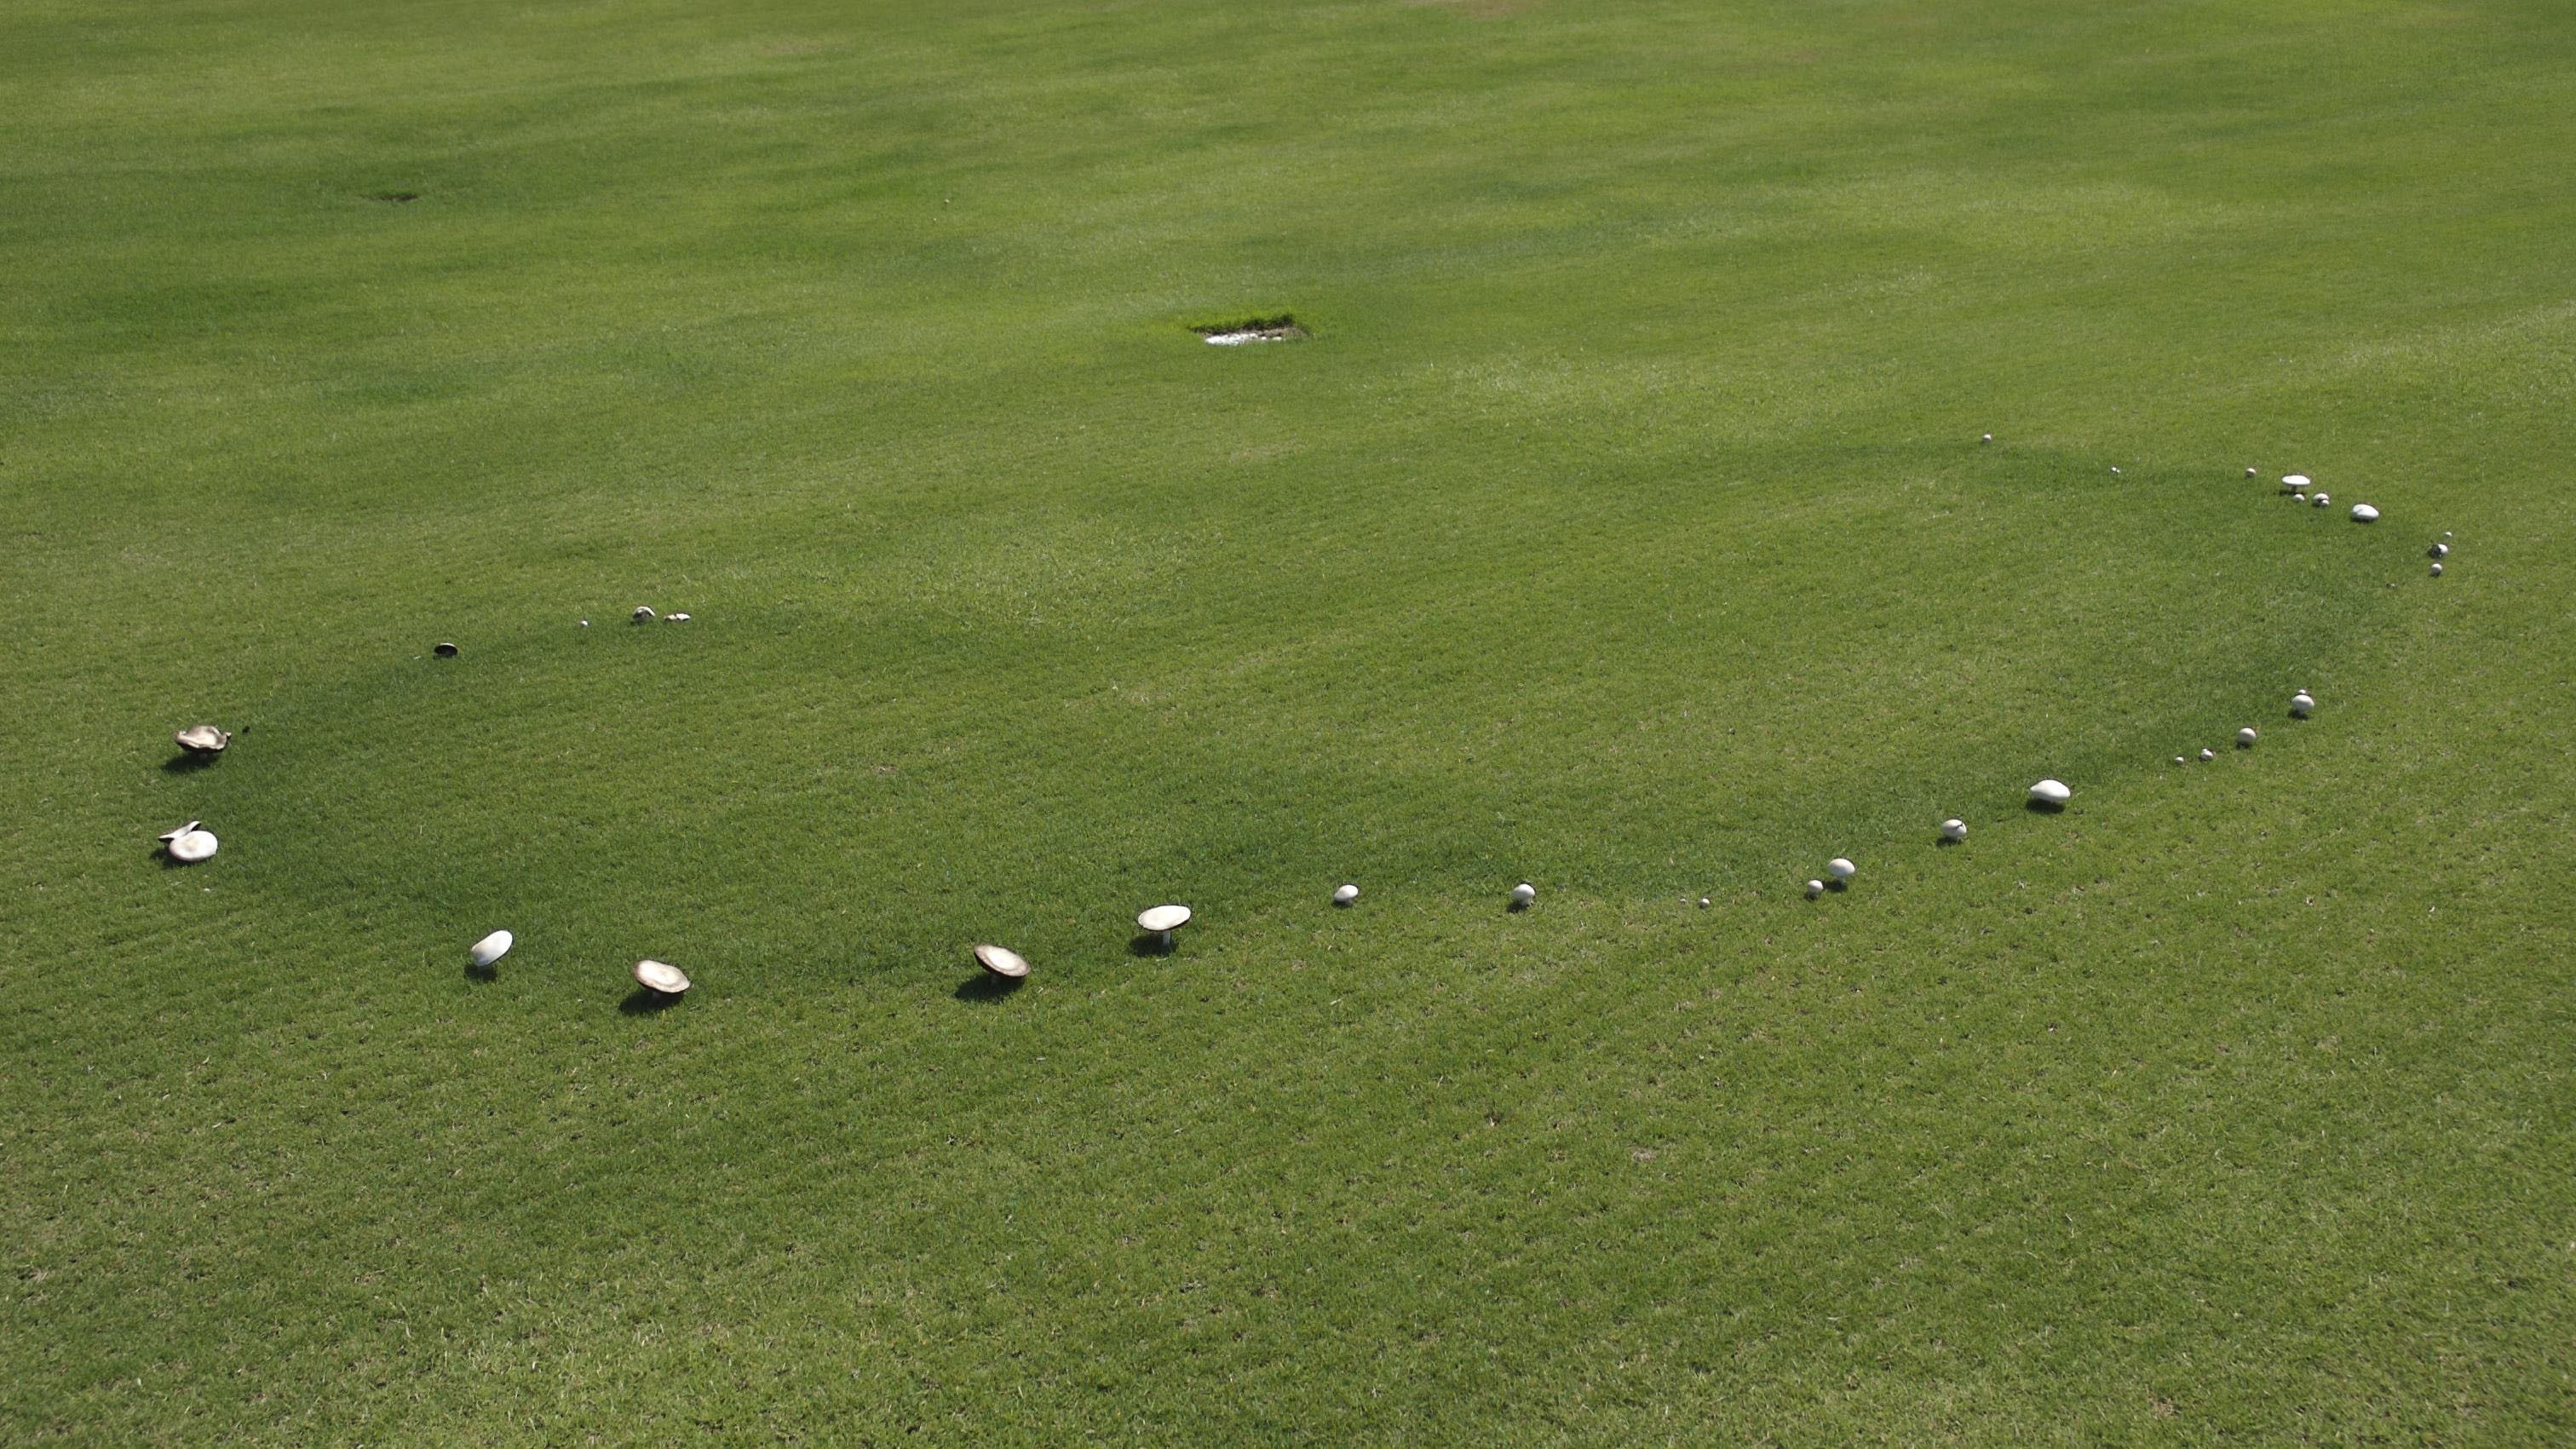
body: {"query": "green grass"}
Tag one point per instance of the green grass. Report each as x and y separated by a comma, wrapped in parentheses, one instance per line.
(1622, 527)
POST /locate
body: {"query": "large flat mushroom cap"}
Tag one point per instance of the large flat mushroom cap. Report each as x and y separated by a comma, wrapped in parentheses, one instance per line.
(1002, 961)
(2294, 482)
(1163, 918)
(192, 846)
(2364, 513)
(492, 948)
(2051, 792)
(202, 739)
(661, 976)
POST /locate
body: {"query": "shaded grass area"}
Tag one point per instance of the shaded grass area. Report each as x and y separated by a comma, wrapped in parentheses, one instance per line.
(1622, 528)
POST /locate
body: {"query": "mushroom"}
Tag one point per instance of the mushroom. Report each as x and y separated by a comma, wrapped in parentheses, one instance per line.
(202, 739)
(1162, 921)
(2245, 738)
(1841, 869)
(1524, 896)
(2441, 550)
(188, 844)
(492, 948)
(2294, 482)
(2437, 571)
(2052, 793)
(2303, 704)
(1002, 962)
(2322, 498)
(1815, 888)
(1954, 829)
(2364, 513)
(2249, 472)
(1988, 438)
(661, 977)
(1345, 894)
(643, 614)
(2208, 755)
(675, 618)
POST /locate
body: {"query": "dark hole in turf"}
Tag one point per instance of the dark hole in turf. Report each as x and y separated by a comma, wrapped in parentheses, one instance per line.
(397, 197)
(1282, 328)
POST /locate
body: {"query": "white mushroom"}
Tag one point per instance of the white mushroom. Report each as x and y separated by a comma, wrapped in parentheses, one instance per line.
(661, 977)
(2322, 499)
(1841, 869)
(188, 844)
(2245, 738)
(2303, 704)
(1345, 894)
(1988, 438)
(2364, 513)
(492, 948)
(2051, 792)
(2437, 571)
(1003, 962)
(2294, 482)
(1954, 830)
(2208, 755)
(2441, 550)
(1815, 888)
(2249, 472)
(1162, 921)
(202, 739)
(1524, 895)
(643, 614)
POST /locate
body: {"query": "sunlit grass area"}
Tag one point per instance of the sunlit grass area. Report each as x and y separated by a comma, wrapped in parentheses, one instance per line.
(1621, 525)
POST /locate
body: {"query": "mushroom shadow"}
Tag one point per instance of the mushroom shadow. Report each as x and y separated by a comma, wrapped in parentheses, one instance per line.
(1838, 886)
(482, 973)
(2043, 807)
(188, 762)
(171, 862)
(644, 1001)
(1150, 943)
(985, 986)
(1944, 842)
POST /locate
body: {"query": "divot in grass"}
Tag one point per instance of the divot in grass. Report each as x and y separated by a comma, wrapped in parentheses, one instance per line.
(1282, 328)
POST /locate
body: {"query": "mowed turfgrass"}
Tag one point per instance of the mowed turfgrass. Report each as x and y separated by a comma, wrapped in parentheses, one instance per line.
(1621, 527)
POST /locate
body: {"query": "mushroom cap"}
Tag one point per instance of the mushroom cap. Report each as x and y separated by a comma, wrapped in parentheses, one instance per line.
(2051, 792)
(1841, 869)
(2209, 754)
(2177, 759)
(1955, 829)
(2294, 481)
(661, 976)
(1163, 918)
(2302, 702)
(2364, 513)
(202, 739)
(2245, 736)
(191, 846)
(643, 614)
(2441, 550)
(2321, 498)
(1002, 961)
(2249, 472)
(1525, 893)
(1815, 888)
(2437, 571)
(170, 835)
(492, 948)
(1344, 894)
(675, 618)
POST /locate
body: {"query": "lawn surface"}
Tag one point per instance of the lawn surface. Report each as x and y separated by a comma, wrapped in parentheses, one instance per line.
(1622, 527)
